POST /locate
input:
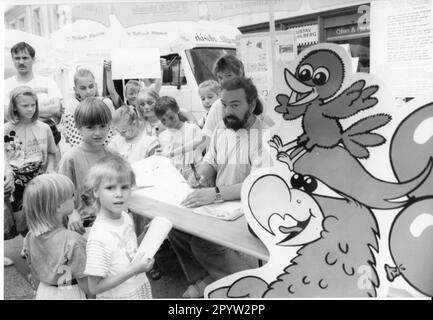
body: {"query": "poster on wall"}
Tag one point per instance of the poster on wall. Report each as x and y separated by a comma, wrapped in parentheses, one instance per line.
(402, 45)
(255, 51)
(306, 35)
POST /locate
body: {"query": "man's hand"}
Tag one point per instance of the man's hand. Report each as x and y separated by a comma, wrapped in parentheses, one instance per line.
(75, 223)
(199, 197)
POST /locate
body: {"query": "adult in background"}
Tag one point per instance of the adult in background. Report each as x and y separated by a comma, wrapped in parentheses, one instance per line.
(237, 147)
(228, 67)
(49, 96)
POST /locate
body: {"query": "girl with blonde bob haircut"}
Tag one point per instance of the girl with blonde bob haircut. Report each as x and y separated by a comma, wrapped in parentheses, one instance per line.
(49, 247)
(112, 262)
(42, 197)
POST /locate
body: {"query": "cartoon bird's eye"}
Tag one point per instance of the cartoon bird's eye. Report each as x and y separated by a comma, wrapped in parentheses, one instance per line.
(297, 181)
(320, 76)
(305, 72)
(310, 184)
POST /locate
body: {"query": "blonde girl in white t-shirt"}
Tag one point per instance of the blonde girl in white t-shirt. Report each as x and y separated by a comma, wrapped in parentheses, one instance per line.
(131, 142)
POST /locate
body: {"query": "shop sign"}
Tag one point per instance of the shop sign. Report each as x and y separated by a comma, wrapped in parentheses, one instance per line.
(347, 30)
(306, 35)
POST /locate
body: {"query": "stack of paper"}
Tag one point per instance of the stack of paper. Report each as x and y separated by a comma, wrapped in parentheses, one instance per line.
(157, 178)
(160, 180)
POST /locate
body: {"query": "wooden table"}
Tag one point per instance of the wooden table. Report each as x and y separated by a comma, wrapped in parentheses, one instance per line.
(231, 234)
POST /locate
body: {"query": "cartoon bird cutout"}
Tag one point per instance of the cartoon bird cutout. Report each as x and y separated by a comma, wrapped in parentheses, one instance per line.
(318, 78)
(334, 238)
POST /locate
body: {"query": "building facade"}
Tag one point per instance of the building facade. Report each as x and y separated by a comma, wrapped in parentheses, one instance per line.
(39, 19)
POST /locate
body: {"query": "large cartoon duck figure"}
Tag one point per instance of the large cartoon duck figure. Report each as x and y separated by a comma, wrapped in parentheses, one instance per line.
(315, 97)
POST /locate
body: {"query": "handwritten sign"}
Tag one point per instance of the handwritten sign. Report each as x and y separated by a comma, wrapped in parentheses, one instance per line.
(131, 63)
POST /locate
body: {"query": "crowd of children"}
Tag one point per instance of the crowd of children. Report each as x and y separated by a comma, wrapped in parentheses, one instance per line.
(91, 183)
(91, 187)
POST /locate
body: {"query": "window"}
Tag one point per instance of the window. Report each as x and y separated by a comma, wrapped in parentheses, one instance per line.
(21, 23)
(203, 59)
(173, 73)
(37, 29)
(353, 30)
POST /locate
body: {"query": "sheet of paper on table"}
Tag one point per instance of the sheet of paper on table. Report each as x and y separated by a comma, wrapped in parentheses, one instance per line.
(228, 210)
(157, 178)
(156, 170)
(160, 180)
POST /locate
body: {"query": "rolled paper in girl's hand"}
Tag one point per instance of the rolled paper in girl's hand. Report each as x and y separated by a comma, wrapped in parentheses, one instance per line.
(154, 237)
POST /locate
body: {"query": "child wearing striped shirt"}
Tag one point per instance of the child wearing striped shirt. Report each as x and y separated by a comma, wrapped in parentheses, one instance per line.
(111, 264)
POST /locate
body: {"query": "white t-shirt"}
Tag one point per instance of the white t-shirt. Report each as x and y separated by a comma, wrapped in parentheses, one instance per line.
(45, 88)
(135, 149)
(111, 246)
(171, 139)
(234, 154)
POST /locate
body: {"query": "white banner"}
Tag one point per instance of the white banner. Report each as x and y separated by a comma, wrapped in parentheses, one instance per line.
(134, 63)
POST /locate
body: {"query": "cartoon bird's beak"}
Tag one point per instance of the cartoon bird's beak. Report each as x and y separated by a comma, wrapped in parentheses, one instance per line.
(301, 93)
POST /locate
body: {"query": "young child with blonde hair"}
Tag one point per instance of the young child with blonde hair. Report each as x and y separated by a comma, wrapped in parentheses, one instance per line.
(93, 119)
(209, 91)
(56, 255)
(132, 142)
(112, 263)
(29, 145)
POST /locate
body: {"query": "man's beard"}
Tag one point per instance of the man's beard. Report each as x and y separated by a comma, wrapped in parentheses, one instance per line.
(232, 122)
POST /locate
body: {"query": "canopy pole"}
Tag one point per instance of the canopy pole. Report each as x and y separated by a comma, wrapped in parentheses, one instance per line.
(272, 34)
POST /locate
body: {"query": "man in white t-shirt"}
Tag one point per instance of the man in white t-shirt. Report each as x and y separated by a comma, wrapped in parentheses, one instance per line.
(49, 96)
(238, 147)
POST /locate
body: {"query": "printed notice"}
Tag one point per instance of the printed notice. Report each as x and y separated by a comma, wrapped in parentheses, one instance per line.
(402, 46)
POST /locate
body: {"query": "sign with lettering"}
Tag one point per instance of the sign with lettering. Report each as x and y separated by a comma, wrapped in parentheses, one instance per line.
(351, 29)
(306, 35)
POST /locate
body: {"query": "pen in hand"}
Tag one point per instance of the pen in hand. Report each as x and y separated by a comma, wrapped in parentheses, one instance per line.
(196, 175)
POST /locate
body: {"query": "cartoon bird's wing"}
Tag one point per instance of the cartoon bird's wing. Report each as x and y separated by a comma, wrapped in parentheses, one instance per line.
(351, 101)
(289, 112)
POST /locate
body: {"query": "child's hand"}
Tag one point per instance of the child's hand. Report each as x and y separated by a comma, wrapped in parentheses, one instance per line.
(141, 264)
(107, 65)
(75, 223)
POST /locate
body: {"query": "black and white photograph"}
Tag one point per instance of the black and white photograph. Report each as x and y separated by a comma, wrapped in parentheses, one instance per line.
(207, 150)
